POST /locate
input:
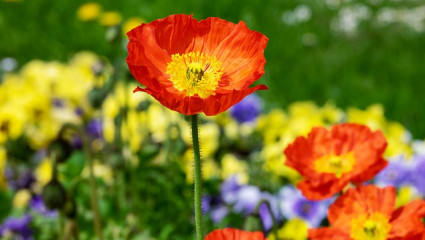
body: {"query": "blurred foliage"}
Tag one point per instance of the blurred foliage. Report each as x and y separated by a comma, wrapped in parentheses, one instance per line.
(308, 58)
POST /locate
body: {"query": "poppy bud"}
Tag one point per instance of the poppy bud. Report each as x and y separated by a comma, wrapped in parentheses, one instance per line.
(54, 195)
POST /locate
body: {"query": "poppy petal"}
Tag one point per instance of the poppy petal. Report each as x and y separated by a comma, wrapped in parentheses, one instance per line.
(192, 105)
(406, 221)
(327, 233)
(242, 56)
(234, 234)
(355, 202)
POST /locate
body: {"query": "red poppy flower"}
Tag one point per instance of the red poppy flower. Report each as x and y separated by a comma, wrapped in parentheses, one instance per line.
(330, 159)
(192, 67)
(234, 234)
(367, 213)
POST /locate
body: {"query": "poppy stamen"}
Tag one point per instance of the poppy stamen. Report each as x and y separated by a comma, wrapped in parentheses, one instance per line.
(373, 227)
(336, 164)
(194, 73)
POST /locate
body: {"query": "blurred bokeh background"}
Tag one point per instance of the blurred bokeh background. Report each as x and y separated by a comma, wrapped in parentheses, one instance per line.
(67, 110)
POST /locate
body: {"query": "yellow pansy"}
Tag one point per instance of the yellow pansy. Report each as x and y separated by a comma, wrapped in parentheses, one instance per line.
(231, 165)
(89, 11)
(110, 19)
(3, 159)
(294, 229)
(43, 173)
(21, 198)
(372, 117)
(131, 23)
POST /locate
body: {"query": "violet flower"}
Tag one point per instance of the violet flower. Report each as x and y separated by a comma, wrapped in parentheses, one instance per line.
(19, 227)
(294, 205)
(247, 110)
(395, 174)
(38, 206)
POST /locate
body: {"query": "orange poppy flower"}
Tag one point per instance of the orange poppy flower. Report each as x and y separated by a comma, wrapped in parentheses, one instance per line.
(367, 213)
(234, 234)
(192, 67)
(330, 159)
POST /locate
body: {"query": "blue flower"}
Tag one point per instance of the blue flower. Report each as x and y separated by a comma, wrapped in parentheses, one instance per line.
(229, 189)
(247, 199)
(16, 180)
(218, 213)
(264, 212)
(395, 174)
(94, 128)
(417, 175)
(38, 206)
(247, 110)
(294, 205)
(17, 226)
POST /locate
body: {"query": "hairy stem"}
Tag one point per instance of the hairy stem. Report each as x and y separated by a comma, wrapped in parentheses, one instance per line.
(197, 174)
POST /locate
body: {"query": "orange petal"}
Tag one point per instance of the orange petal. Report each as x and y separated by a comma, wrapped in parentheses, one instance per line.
(406, 221)
(221, 102)
(322, 187)
(147, 64)
(175, 33)
(299, 156)
(242, 56)
(358, 201)
(212, 105)
(234, 234)
(209, 34)
(327, 233)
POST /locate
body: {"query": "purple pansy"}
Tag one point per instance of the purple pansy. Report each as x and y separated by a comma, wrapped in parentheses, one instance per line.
(396, 173)
(38, 206)
(264, 212)
(248, 109)
(19, 227)
(294, 205)
(17, 180)
(94, 128)
(219, 212)
(247, 199)
(417, 175)
(229, 189)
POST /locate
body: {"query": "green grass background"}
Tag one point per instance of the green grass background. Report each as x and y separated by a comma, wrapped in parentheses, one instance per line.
(376, 65)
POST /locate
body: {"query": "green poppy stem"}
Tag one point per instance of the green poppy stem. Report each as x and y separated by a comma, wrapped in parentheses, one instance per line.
(197, 175)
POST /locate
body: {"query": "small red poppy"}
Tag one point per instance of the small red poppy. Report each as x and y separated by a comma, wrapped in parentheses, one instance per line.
(367, 213)
(330, 159)
(234, 234)
(192, 67)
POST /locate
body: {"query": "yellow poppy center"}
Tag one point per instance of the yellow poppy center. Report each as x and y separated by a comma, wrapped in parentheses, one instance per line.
(336, 164)
(195, 73)
(370, 227)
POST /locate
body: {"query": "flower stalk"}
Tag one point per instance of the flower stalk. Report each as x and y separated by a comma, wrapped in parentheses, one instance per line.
(269, 208)
(92, 181)
(197, 174)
